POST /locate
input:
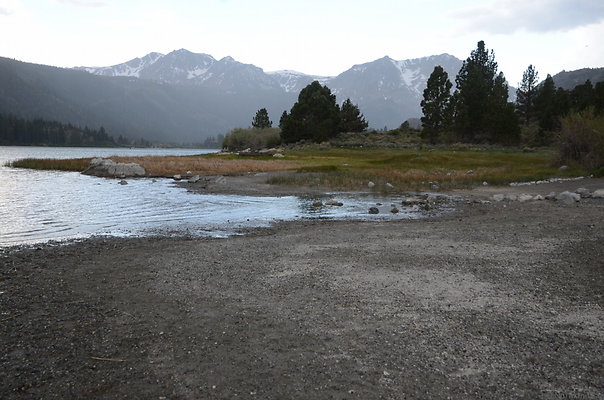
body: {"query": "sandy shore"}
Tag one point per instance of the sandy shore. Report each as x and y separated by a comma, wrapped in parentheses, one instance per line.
(496, 301)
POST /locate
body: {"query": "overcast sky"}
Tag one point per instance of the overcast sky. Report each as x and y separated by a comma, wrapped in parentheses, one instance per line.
(322, 37)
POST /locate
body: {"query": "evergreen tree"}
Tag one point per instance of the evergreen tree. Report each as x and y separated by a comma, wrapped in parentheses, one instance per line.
(545, 107)
(482, 112)
(526, 94)
(435, 104)
(315, 116)
(351, 119)
(282, 119)
(261, 120)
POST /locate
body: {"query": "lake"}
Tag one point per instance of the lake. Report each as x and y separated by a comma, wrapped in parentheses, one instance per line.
(41, 206)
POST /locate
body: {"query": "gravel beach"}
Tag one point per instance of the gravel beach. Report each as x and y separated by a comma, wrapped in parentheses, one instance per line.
(499, 300)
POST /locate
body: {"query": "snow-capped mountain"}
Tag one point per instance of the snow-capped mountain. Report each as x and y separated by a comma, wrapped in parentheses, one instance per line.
(131, 68)
(388, 91)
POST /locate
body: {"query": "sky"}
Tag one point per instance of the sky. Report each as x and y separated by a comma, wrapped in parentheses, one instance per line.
(318, 37)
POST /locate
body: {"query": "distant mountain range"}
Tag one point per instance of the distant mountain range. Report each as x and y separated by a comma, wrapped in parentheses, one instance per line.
(186, 97)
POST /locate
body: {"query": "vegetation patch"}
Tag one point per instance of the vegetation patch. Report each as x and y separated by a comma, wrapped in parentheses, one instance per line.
(52, 164)
(253, 139)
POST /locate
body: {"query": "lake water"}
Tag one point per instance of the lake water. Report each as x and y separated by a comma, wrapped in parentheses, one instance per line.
(40, 206)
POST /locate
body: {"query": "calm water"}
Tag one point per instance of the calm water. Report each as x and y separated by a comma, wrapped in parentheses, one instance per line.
(38, 206)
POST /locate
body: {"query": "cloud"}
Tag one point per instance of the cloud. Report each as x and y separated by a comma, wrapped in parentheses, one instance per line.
(509, 16)
(83, 3)
(5, 11)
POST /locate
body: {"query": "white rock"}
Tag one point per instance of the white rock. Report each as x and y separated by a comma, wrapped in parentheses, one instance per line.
(511, 197)
(177, 177)
(550, 196)
(389, 185)
(370, 184)
(583, 192)
(278, 155)
(525, 197)
(499, 197)
(538, 198)
(194, 179)
(598, 194)
(568, 197)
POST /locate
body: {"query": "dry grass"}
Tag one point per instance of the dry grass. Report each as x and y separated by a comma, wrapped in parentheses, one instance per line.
(172, 165)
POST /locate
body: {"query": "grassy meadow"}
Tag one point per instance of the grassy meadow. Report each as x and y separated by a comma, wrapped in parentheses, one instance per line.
(352, 168)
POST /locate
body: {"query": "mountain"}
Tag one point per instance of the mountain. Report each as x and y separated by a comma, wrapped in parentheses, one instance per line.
(389, 91)
(569, 79)
(186, 97)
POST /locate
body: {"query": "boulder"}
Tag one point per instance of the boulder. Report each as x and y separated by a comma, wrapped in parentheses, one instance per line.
(177, 177)
(525, 197)
(389, 185)
(583, 192)
(598, 194)
(123, 182)
(194, 179)
(317, 204)
(278, 155)
(394, 210)
(373, 210)
(499, 197)
(370, 184)
(564, 168)
(538, 198)
(568, 197)
(550, 196)
(111, 169)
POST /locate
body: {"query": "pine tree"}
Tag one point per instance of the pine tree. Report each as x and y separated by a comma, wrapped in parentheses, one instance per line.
(315, 116)
(435, 104)
(351, 119)
(282, 119)
(482, 112)
(526, 94)
(261, 119)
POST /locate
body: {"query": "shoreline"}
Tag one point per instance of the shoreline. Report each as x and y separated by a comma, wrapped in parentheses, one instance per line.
(497, 300)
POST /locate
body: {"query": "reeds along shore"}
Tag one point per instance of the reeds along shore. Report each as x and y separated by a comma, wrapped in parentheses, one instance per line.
(351, 169)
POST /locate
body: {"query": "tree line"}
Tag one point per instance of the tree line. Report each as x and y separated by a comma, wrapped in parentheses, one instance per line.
(478, 110)
(38, 131)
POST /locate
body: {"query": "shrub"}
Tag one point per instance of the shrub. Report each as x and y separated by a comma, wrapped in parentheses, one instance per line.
(582, 140)
(254, 139)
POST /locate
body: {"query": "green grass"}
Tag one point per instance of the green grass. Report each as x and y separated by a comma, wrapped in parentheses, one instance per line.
(351, 169)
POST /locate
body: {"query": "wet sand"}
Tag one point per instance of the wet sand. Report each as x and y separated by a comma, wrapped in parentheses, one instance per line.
(499, 300)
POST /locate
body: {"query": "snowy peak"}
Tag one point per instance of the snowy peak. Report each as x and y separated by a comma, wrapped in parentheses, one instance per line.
(294, 81)
(131, 68)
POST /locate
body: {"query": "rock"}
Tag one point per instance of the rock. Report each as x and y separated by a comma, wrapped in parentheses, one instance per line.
(389, 185)
(123, 182)
(434, 186)
(538, 198)
(370, 184)
(412, 201)
(568, 197)
(334, 203)
(394, 210)
(583, 192)
(111, 169)
(189, 173)
(485, 183)
(194, 179)
(564, 168)
(499, 197)
(470, 172)
(511, 197)
(177, 177)
(317, 204)
(373, 210)
(598, 194)
(550, 196)
(278, 155)
(525, 197)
